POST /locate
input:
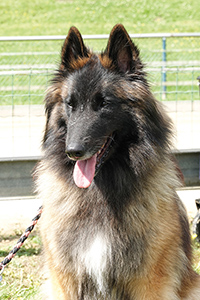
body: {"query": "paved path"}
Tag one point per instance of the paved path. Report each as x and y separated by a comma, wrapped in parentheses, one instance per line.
(17, 213)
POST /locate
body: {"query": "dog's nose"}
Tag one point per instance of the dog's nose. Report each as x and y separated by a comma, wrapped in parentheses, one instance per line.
(75, 151)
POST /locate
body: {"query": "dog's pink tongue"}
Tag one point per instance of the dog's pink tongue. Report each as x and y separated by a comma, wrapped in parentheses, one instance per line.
(84, 171)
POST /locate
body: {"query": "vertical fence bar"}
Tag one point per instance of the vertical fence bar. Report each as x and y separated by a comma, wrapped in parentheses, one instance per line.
(13, 113)
(12, 97)
(177, 79)
(198, 78)
(29, 109)
(192, 90)
(164, 75)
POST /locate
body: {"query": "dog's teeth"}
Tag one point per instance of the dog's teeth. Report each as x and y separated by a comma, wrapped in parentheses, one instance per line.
(103, 152)
(101, 149)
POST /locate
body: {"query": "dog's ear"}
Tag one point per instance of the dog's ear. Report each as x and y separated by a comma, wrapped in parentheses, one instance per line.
(73, 48)
(121, 50)
(197, 201)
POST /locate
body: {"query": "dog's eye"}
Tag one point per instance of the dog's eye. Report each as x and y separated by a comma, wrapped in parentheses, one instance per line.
(103, 103)
(100, 101)
(70, 102)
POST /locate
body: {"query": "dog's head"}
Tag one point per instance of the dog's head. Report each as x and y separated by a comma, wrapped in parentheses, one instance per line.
(100, 108)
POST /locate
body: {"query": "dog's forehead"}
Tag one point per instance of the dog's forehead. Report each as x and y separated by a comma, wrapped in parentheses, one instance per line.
(89, 79)
(97, 77)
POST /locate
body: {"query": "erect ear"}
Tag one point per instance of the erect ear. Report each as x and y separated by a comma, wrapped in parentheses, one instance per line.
(121, 49)
(73, 48)
(197, 201)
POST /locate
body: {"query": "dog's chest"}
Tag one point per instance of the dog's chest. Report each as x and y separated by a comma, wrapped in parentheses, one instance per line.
(95, 260)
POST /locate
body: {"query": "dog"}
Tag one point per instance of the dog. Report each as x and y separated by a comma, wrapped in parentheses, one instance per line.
(196, 223)
(113, 227)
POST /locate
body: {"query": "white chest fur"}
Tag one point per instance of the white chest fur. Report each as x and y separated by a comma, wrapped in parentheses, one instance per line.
(95, 259)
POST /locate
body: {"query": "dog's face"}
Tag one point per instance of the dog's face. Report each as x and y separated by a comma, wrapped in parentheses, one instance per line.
(98, 118)
(93, 111)
(101, 104)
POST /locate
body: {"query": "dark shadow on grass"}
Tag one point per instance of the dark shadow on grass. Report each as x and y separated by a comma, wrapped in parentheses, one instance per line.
(15, 236)
(31, 246)
(23, 252)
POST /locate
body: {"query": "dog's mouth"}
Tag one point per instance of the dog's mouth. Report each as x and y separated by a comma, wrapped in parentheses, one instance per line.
(85, 170)
(103, 152)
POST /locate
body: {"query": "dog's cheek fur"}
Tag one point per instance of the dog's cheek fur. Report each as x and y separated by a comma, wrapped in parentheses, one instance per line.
(55, 124)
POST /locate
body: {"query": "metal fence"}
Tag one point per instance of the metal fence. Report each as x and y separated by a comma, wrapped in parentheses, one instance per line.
(27, 64)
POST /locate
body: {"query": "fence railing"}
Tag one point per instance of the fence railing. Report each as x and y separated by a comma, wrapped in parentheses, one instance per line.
(27, 64)
(173, 61)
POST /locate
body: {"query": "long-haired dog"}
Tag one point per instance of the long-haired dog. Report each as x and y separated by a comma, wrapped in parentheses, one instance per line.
(113, 227)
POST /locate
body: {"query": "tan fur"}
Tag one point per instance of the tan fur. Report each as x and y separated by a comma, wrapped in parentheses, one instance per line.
(157, 273)
(97, 246)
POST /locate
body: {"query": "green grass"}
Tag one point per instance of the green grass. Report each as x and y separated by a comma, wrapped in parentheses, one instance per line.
(22, 17)
(24, 275)
(196, 249)
(30, 89)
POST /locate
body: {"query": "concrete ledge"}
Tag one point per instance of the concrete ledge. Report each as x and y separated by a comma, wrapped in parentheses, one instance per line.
(189, 163)
(16, 176)
(16, 173)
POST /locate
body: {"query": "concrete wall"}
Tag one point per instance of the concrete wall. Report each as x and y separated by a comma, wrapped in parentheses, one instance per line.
(16, 175)
(189, 163)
